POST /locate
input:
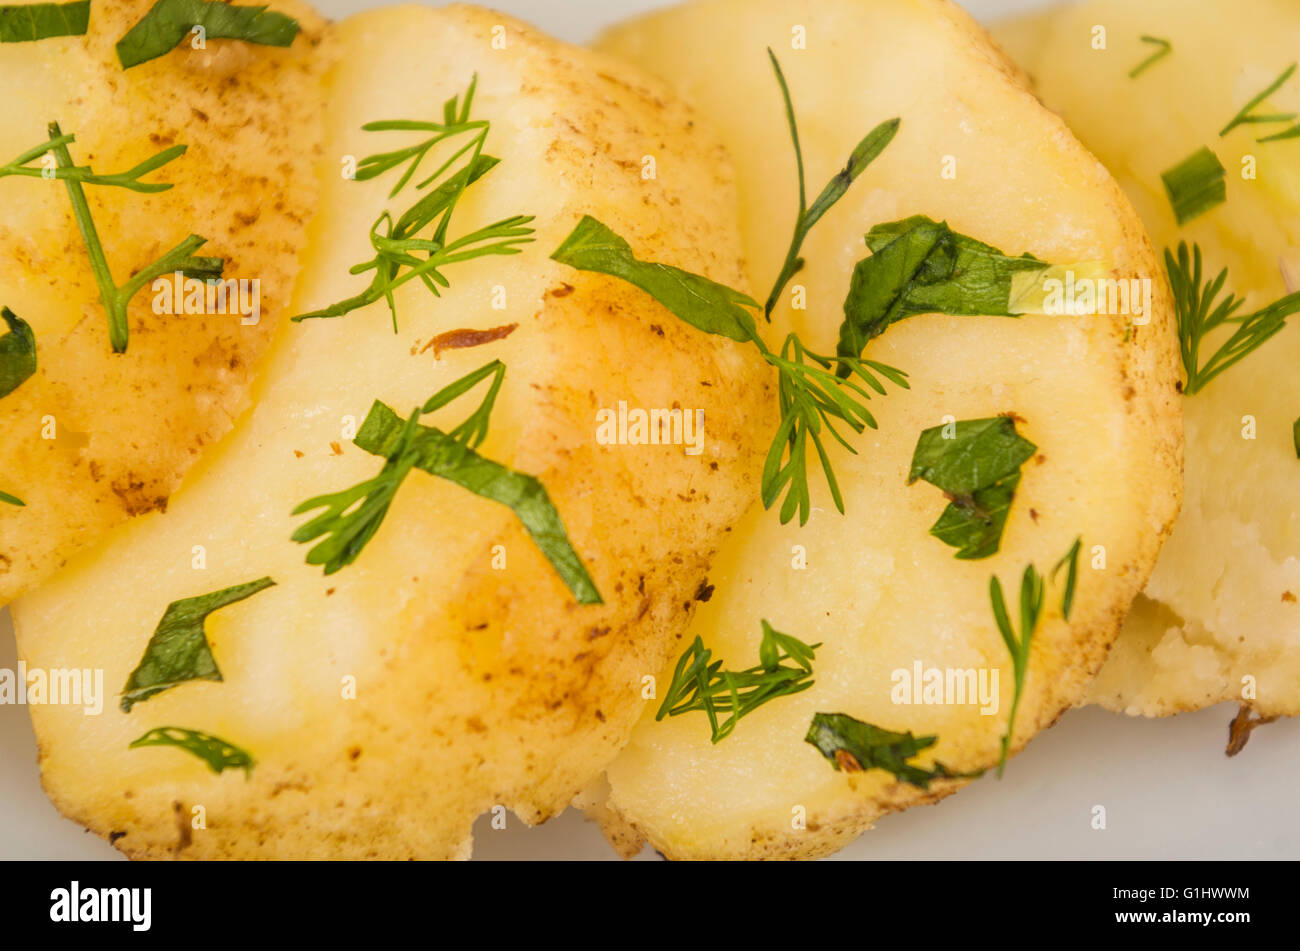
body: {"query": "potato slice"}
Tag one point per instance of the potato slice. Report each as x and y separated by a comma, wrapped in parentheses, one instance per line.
(478, 684)
(95, 437)
(1224, 618)
(878, 591)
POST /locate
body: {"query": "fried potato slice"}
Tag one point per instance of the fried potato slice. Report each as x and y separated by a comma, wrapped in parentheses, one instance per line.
(478, 682)
(1220, 618)
(1095, 394)
(95, 437)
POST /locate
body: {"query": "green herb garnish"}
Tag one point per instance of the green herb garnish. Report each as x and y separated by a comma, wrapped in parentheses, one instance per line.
(1165, 48)
(179, 652)
(354, 515)
(978, 468)
(852, 746)
(921, 266)
(11, 499)
(1295, 436)
(863, 155)
(115, 298)
(26, 22)
(1195, 185)
(809, 395)
(170, 21)
(17, 352)
(704, 304)
(395, 242)
(216, 752)
(1291, 133)
(1245, 116)
(1031, 606)
(1071, 558)
(83, 174)
(700, 684)
(1199, 312)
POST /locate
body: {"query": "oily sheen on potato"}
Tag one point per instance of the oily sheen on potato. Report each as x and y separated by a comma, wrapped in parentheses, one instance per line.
(95, 437)
(1096, 395)
(1220, 618)
(479, 681)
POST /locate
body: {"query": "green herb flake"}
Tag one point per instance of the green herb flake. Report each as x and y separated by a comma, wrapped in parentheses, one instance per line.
(179, 652)
(24, 23)
(17, 352)
(1291, 133)
(976, 463)
(921, 266)
(1195, 185)
(219, 754)
(11, 499)
(866, 152)
(1199, 313)
(352, 517)
(1164, 48)
(813, 400)
(1247, 117)
(170, 21)
(704, 304)
(1031, 608)
(115, 299)
(852, 746)
(396, 243)
(1070, 558)
(810, 396)
(700, 684)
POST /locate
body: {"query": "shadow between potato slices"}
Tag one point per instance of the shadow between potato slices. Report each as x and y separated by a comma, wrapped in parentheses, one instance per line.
(885, 599)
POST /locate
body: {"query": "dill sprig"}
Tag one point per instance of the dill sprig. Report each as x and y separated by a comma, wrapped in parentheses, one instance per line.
(1070, 558)
(1164, 48)
(1199, 312)
(700, 684)
(1247, 117)
(1195, 185)
(129, 179)
(115, 298)
(866, 152)
(1031, 607)
(400, 254)
(347, 525)
(352, 516)
(811, 398)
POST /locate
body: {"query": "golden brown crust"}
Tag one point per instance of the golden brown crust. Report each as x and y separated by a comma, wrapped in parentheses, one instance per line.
(130, 425)
(1066, 657)
(497, 689)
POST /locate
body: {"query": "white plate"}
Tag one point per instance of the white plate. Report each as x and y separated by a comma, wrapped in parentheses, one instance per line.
(1168, 790)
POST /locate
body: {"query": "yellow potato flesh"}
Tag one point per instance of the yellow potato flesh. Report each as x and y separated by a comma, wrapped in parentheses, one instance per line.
(95, 437)
(1225, 622)
(476, 683)
(878, 591)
